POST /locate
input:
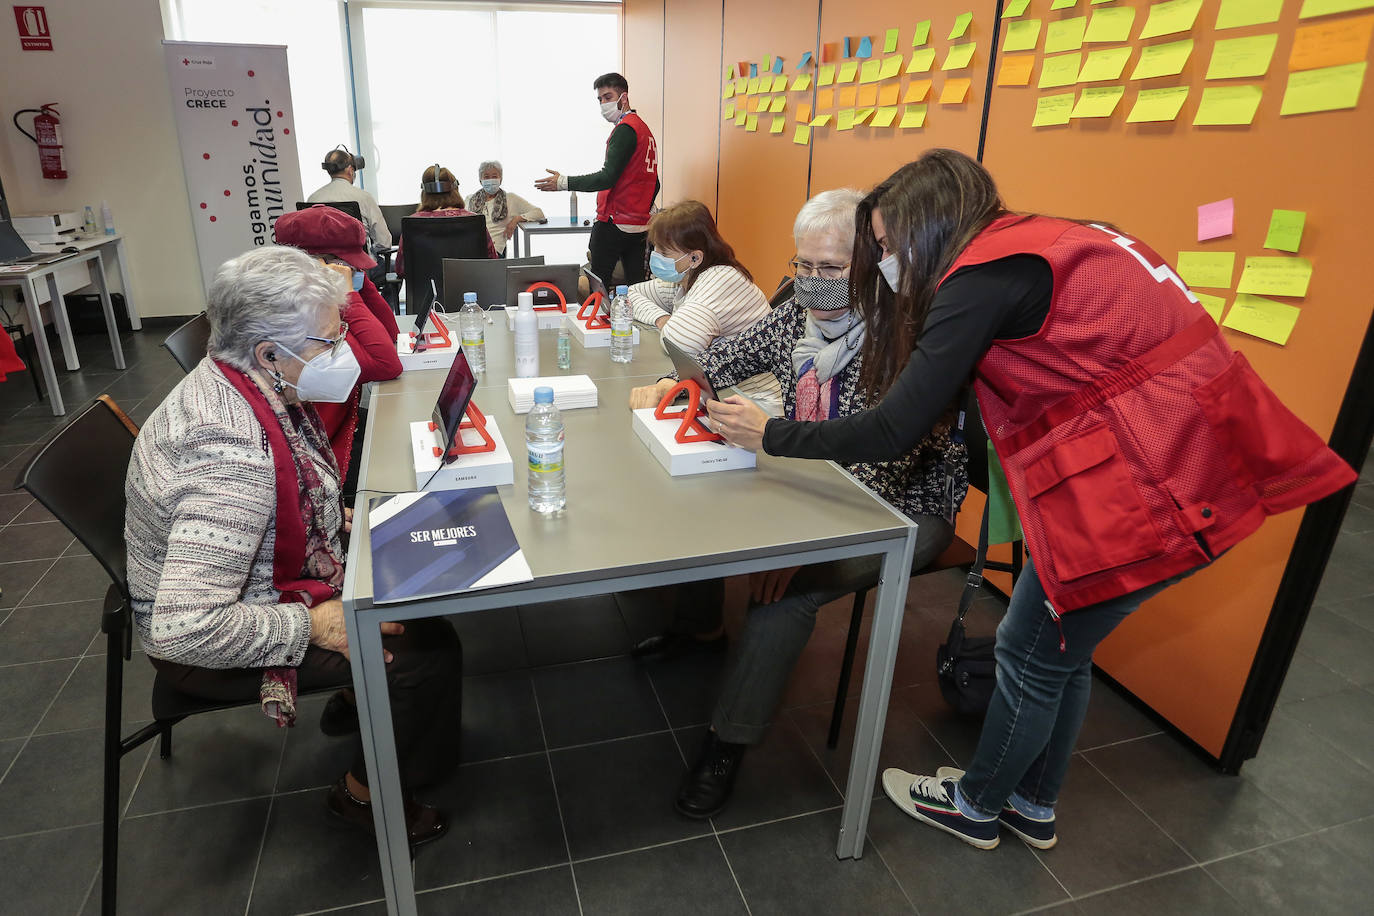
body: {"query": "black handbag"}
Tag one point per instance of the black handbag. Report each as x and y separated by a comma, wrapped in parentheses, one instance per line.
(965, 664)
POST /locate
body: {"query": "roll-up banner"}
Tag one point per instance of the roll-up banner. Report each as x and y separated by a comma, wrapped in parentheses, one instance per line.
(236, 126)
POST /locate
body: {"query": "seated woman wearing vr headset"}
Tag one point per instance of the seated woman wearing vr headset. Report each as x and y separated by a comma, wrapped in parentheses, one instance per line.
(438, 197)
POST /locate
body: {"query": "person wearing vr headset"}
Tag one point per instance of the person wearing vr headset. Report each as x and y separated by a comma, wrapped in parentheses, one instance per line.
(626, 185)
(342, 167)
(438, 197)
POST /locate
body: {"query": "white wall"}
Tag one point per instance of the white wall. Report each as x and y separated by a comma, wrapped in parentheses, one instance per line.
(107, 75)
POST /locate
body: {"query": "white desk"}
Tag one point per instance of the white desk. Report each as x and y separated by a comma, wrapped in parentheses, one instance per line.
(556, 225)
(111, 249)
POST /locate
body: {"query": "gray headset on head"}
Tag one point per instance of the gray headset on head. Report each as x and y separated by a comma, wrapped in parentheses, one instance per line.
(436, 186)
(358, 162)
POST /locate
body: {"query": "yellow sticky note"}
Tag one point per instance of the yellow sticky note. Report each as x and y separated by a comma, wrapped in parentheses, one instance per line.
(753, 86)
(825, 98)
(871, 71)
(1053, 109)
(1326, 89)
(779, 104)
(1170, 17)
(1162, 60)
(768, 62)
(921, 35)
(779, 84)
(916, 91)
(848, 96)
(729, 111)
(779, 122)
(848, 71)
(1262, 318)
(1236, 13)
(892, 66)
(1227, 105)
(868, 95)
(1016, 70)
(887, 95)
(1327, 44)
(802, 82)
(1285, 230)
(740, 116)
(1214, 305)
(802, 112)
(1060, 71)
(1212, 269)
(862, 115)
(1065, 35)
(1275, 276)
(1022, 36)
(1157, 104)
(820, 120)
(845, 119)
(1014, 8)
(1111, 24)
(890, 41)
(955, 91)
(1063, 4)
(760, 102)
(1235, 58)
(751, 123)
(1312, 8)
(913, 116)
(825, 75)
(802, 135)
(961, 23)
(959, 56)
(1098, 101)
(1104, 65)
(729, 90)
(921, 61)
(884, 117)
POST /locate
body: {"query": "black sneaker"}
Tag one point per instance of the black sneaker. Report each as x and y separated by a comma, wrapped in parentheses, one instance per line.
(707, 786)
(1032, 829)
(666, 645)
(931, 799)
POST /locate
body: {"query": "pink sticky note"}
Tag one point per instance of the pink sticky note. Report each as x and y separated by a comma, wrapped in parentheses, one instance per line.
(1216, 219)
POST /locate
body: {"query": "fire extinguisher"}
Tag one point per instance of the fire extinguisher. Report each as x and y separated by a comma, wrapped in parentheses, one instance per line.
(49, 139)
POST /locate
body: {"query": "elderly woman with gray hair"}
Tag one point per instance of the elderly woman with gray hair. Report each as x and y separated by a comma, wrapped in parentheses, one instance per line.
(503, 209)
(235, 531)
(812, 344)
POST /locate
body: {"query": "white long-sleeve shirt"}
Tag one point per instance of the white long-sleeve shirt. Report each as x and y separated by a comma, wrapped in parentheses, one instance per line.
(721, 303)
(343, 189)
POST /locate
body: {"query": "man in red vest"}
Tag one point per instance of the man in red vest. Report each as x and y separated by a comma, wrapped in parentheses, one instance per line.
(626, 185)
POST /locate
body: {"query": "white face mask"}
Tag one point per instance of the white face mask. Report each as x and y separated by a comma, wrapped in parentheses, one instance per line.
(328, 378)
(888, 267)
(490, 185)
(611, 110)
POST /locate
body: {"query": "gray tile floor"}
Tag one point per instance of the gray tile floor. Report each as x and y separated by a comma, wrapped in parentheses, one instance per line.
(572, 753)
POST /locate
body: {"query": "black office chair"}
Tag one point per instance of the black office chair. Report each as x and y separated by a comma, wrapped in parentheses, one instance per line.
(393, 214)
(351, 207)
(187, 343)
(781, 294)
(958, 555)
(431, 239)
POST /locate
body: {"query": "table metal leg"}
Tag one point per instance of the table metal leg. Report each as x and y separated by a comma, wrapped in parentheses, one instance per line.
(383, 769)
(62, 324)
(40, 343)
(135, 321)
(868, 733)
(107, 307)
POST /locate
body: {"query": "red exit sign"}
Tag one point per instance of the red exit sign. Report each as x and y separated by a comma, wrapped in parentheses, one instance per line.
(34, 34)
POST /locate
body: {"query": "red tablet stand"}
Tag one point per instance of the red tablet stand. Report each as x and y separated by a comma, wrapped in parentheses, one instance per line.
(690, 429)
(439, 337)
(475, 420)
(590, 314)
(562, 305)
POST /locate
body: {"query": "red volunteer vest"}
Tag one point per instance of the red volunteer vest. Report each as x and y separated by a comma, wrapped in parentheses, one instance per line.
(627, 202)
(1137, 444)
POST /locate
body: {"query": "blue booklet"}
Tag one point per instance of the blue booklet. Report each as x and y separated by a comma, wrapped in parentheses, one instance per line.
(440, 543)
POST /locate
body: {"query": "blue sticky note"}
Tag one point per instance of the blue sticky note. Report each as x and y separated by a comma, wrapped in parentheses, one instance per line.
(846, 47)
(865, 47)
(753, 69)
(806, 59)
(777, 65)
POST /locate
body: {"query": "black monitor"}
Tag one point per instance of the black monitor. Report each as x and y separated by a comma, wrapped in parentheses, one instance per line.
(484, 276)
(563, 276)
(453, 403)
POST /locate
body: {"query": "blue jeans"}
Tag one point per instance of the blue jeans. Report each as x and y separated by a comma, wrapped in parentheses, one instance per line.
(1042, 694)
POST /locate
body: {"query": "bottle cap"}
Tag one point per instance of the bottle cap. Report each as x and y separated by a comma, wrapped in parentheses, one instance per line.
(524, 300)
(622, 290)
(469, 297)
(543, 395)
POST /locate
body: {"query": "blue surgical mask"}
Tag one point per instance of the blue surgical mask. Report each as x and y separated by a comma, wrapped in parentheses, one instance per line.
(491, 185)
(664, 267)
(357, 280)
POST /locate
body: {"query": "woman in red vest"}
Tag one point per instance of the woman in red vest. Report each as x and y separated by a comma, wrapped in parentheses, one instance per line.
(1137, 445)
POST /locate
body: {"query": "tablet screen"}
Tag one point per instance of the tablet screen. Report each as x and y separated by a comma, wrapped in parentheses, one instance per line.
(453, 401)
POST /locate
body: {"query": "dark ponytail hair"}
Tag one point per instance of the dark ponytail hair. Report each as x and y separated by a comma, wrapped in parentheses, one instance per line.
(931, 209)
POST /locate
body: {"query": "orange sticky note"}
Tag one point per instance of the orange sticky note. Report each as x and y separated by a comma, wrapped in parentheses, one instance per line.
(868, 95)
(955, 91)
(825, 98)
(887, 95)
(1329, 44)
(802, 112)
(848, 95)
(1016, 70)
(916, 91)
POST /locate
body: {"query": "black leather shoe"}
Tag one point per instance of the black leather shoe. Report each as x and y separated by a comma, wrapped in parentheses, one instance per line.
(670, 645)
(423, 822)
(706, 788)
(340, 716)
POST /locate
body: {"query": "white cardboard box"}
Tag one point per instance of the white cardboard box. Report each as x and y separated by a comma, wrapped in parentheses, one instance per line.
(597, 338)
(546, 321)
(682, 458)
(431, 357)
(484, 469)
(569, 391)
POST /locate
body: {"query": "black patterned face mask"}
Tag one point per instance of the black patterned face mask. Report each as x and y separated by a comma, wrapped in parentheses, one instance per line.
(821, 293)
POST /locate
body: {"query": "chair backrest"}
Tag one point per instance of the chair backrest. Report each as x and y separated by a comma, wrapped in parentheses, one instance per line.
(392, 214)
(781, 294)
(351, 207)
(430, 239)
(187, 343)
(78, 476)
(484, 276)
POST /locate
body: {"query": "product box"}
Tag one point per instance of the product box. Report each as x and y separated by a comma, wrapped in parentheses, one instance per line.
(545, 321)
(683, 458)
(483, 469)
(597, 338)
(432, 357)
(569, 391)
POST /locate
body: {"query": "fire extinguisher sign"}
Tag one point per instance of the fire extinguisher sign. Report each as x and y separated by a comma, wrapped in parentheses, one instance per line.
(34, 34)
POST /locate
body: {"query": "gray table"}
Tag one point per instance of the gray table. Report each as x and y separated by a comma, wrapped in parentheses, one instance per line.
(557, 225)
(785, 512)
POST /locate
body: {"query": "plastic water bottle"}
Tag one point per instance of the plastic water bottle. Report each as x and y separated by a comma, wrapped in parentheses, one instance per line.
(572, 207)
(526, 337)
(544, 445)
(622, 326)
(564, 345)
(107, 217)
(471, 319)
(89, 226)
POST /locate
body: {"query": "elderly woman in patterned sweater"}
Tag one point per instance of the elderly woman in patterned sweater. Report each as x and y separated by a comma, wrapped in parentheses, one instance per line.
(235, 531)
(811, 344)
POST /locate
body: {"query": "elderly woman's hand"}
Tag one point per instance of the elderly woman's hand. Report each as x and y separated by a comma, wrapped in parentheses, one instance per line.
(739, 420)
(512, 223)
(650, 395)
(327, 628)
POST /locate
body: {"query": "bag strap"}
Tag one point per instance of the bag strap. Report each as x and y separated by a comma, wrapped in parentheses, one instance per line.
(975, 572)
